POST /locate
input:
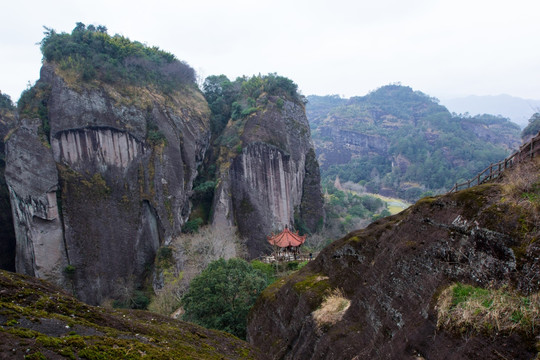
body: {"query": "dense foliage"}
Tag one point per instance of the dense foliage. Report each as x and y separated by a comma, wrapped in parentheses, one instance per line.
(347, 211)
(533, 127)
(222, 295)
(428, 148)
(231, 102)
(93, 54)
(5, 102)
(33, 104)
(238, 99)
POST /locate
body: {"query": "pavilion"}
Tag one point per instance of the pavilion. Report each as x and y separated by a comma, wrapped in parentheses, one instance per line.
(286, 243)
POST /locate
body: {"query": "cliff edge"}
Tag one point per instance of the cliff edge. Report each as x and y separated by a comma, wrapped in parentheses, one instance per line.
(395, 289)
(266, 169)
(101, 165)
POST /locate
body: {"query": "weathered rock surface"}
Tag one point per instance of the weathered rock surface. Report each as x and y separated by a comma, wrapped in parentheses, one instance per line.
(123, 163)
(43, 322)
(7, 232)
(393, 271)
(346, 144)
(272, 179)
(33, 183)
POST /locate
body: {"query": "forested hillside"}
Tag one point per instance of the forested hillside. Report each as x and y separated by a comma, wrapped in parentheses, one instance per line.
(402, 142)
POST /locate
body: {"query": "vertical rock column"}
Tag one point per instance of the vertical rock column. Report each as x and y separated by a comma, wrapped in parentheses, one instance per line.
(32, 180)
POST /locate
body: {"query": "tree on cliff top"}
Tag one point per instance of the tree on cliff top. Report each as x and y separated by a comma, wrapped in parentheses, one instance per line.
(238, 99)
(93, 54)
(533, 127)
(5, 102)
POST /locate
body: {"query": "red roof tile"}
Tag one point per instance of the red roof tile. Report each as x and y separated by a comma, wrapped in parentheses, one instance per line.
(286, 238)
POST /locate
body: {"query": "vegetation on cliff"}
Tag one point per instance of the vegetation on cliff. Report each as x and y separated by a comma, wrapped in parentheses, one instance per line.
(149, 125)
(414, 144)
(239, 98)
(533, 127)
(185, 258)
(231, 103)
(5, 102)
(465, 309)
(39, 321)
(347, 210)
(91, 54)
(460, 269)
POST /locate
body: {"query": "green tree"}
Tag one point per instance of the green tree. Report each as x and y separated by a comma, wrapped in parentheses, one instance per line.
(222, 295)
(533, 127)
(92, 54)
(5, 102)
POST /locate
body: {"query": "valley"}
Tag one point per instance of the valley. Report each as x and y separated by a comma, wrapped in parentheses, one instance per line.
(137, 201)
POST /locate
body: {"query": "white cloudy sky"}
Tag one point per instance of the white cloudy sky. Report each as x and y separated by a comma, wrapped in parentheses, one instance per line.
(444, 48)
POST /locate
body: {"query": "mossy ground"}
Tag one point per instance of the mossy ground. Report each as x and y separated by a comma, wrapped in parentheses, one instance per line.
(40, 321)
(465, 308)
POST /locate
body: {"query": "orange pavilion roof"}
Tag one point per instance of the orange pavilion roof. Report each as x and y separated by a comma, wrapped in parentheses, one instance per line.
(286, 238)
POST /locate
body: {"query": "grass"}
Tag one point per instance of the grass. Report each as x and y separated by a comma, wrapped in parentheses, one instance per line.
(331, 310)
(28, 305)
(464, 309)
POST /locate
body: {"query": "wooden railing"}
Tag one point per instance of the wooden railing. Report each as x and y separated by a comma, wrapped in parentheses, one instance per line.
(527, 150)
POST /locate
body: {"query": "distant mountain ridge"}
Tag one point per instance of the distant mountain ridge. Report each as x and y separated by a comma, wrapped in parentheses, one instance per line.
(398, 141)
(517, 109)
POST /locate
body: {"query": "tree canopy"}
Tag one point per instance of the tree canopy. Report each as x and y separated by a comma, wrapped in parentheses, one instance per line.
(222, 295)
(238, 99)
(94, 54)
(427, 147)
(533, 127)
(5, 102)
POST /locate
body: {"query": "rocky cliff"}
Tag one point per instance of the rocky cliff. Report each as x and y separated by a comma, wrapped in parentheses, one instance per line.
(8, 120)
(107, 184)
(268, 175)
(378, 293)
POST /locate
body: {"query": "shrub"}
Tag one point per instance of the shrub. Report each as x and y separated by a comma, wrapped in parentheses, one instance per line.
(222, 295)
(138, 300)
(462, 308)
(5, 102)
(92, 53)
(192, 226)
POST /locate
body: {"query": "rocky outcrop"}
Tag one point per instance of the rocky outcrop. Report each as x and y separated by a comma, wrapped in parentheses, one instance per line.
(392, 273)
(270, 176)
(495, 133)
(7, 232)
(122, 165)
(47, 323)
(33, 184)
(346, 144)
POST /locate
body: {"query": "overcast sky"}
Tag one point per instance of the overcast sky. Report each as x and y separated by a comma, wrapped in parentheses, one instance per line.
(444, 48)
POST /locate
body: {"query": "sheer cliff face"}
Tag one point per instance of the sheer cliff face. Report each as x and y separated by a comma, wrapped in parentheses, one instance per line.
(7, 232)
(271, 178)
(392, 273)
(120, 166)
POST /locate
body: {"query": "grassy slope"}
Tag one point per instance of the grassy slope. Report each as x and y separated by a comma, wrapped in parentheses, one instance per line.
(41, 321)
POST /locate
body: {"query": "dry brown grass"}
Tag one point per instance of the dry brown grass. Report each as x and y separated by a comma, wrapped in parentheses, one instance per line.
(331, 310)
(465, 309)
(521, 180)
(191, 255)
